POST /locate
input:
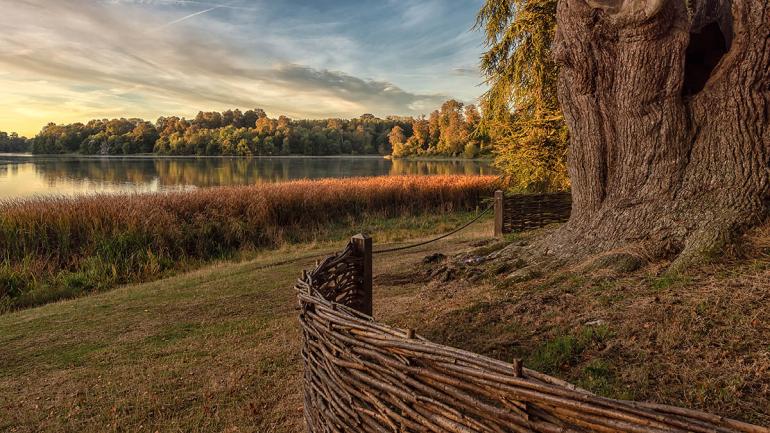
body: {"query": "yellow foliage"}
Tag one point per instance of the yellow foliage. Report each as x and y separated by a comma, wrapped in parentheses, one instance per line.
(521, 110)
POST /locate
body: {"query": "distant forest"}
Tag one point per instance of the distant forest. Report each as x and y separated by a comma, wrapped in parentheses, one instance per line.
(453, 130)
(13, 143)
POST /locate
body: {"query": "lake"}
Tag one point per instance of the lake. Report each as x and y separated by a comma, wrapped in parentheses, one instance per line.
(23, 176)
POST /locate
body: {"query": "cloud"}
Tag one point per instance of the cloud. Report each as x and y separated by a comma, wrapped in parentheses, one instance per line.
(366, 95)
(417, 12)
(181, 3)
(466, 71)
(102, 58)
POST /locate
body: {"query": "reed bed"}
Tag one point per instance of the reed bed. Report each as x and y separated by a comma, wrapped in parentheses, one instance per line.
(59, 247)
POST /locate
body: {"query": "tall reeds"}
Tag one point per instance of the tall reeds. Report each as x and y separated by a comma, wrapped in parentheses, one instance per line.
(52, 248)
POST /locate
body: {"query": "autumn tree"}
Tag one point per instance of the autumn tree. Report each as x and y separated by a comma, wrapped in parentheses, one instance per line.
(265, 125)
(397, 140)
(472, 117)
(421, 130)
(521, 110)
(434, 129)
(453, 133)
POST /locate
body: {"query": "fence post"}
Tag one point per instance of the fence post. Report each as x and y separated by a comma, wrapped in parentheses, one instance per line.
(363, 245)
(499, 196)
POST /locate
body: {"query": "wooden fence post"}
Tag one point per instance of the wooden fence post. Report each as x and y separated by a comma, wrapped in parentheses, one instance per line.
(363, 245)
(499, 196)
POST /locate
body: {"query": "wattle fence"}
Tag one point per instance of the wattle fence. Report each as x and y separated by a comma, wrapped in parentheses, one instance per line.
(529, 211)
(364, 376)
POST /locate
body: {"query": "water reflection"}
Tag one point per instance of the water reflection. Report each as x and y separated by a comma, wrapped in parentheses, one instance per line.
(24, 175)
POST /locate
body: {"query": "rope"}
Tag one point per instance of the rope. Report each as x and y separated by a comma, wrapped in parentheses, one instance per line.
(419, 244)
(389, 250)
(500, 180)
(294, 260)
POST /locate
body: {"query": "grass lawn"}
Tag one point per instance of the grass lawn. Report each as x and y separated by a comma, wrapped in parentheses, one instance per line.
(217, 350)
(213, 350)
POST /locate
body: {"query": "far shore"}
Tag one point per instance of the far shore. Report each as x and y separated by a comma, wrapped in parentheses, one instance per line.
(155, 156)
(443, 158)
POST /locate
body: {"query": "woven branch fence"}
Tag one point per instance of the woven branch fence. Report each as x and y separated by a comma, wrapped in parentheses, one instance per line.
(529, 211)
(363, 376)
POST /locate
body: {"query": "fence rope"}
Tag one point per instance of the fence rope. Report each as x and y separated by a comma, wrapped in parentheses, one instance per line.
(316, 256)
(446, 235)
(323, 254)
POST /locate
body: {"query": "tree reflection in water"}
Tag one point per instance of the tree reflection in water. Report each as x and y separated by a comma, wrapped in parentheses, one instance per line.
(23, 176)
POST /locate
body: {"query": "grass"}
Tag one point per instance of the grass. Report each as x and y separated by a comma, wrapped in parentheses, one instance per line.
(57, 248)
(216, 349)
(697, 340)
(564, 350)
(207, 351)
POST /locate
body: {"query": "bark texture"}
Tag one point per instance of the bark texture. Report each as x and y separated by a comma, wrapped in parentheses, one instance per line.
(668, 105)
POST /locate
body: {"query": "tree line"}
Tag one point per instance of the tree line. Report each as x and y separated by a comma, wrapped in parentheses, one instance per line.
(13, 142)
(453, 130)
(449, 131)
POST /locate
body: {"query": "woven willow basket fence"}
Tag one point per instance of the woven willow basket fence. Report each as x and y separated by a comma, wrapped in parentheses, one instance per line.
(528, 211)
(363, 376)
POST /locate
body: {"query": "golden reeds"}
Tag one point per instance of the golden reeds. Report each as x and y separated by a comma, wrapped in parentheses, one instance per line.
(59, 247)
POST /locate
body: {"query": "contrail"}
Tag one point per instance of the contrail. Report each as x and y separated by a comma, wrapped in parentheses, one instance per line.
(177, 21)
(227, 6)
(203, 3)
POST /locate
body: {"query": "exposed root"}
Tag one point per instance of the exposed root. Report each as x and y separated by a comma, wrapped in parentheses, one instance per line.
(707, 243)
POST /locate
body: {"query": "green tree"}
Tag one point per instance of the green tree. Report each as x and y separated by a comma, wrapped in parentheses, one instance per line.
(144, 135)
(13, 143)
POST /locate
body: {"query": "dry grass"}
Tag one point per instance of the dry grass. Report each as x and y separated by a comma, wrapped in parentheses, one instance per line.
(215, 350)
(700, 340)
(58, 248)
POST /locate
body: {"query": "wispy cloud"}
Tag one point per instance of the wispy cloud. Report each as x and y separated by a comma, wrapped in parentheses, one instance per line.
(417, 12)
(181, 3)
(472, 71)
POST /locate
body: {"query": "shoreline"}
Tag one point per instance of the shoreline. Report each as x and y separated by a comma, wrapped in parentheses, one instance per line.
(443, 159)
(154, 156)
(193, 157)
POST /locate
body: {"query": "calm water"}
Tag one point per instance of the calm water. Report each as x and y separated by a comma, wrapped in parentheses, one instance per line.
(26, 176)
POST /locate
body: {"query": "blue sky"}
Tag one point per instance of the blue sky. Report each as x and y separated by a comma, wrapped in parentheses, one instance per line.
(73, 60)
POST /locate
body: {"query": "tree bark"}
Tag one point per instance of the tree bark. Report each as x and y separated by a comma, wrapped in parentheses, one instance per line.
(668, 105)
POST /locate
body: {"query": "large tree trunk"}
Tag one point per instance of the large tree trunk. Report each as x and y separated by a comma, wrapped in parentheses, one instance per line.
(668, 105)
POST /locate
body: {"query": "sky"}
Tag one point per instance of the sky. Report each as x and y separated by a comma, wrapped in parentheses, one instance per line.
(66, 61)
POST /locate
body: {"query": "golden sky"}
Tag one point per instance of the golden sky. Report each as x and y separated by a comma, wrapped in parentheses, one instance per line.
(73, 60)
